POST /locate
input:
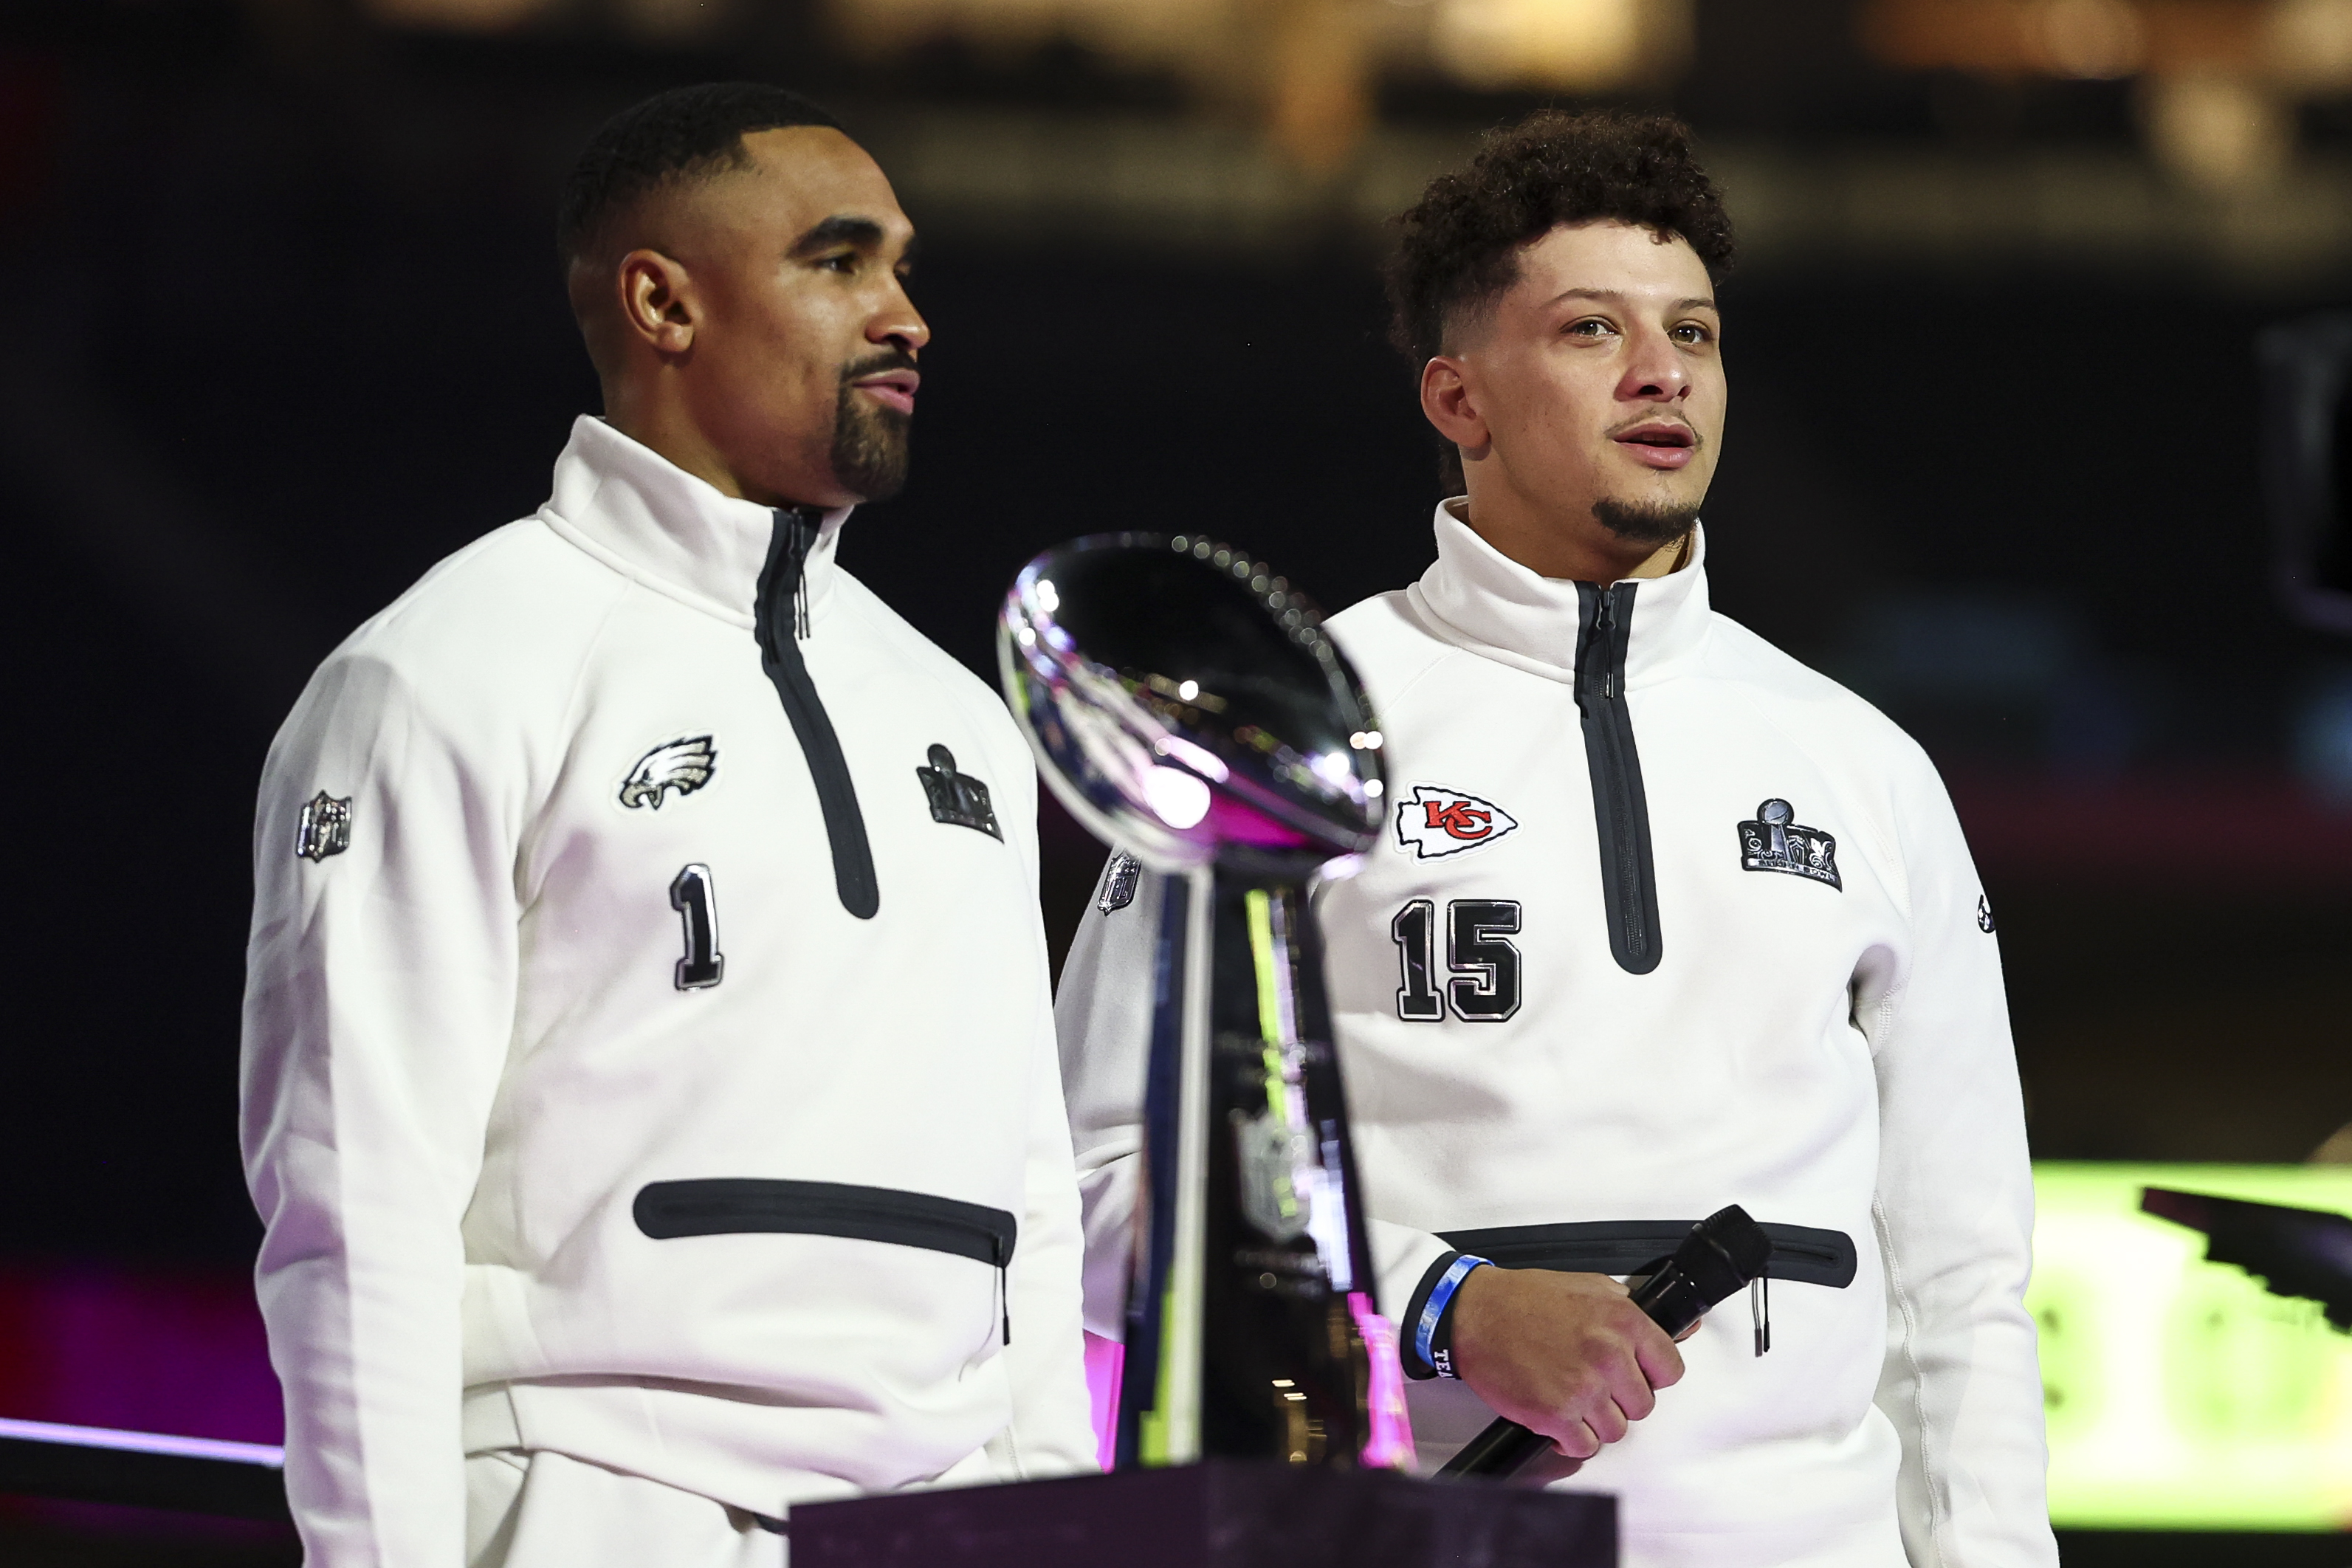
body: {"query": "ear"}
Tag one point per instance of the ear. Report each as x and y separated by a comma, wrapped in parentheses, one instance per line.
(1448, 402)
(658, 303)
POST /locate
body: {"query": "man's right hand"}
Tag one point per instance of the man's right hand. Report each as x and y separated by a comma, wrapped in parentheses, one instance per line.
(1568, 1356)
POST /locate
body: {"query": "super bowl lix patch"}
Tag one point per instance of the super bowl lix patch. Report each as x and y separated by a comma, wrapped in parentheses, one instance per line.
(1777, 841)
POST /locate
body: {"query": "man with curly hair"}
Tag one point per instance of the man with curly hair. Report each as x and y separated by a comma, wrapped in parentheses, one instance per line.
(1664, 922)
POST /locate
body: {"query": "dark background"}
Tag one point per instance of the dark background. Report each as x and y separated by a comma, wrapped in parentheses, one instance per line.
(284, 328)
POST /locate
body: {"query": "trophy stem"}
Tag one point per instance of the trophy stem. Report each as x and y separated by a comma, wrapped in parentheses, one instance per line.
(1248, 1311)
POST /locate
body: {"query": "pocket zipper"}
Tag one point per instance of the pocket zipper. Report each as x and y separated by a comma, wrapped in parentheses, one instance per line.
(742, 1205)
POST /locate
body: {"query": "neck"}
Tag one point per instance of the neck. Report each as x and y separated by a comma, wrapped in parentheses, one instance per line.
(666, 426)
(659, 425)
(1580, 551)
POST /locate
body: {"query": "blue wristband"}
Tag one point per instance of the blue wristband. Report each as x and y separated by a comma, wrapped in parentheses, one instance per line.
(1440, 1296)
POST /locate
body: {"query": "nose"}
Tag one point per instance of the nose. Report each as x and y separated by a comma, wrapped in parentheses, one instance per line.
(897, 324)
(1655, 371)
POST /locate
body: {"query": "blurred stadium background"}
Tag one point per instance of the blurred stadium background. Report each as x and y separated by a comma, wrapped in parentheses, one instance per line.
(283, 328)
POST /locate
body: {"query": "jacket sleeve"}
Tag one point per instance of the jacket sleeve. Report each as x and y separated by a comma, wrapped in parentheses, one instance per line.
(379, 1002)
(1954, 1212)
(1053, 1429)
(1103, 1015)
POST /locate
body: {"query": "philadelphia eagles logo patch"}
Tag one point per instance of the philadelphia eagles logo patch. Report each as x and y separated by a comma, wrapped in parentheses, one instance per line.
(1776, 841)
(683, 765)
(1432, 821)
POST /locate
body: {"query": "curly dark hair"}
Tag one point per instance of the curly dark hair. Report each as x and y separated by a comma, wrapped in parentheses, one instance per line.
(685, 133)
(1460, 243)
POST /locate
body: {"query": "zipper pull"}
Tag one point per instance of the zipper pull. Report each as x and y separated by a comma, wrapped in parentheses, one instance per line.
(1759, 1312)
(1592, 643)
(805, 521)
(1004, 1288)
(1604, 621)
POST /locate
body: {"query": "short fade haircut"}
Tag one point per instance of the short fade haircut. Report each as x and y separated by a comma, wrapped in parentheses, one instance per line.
(686, 133)
(1460, 244)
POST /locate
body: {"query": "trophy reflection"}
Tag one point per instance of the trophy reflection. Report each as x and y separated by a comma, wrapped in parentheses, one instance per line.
(1189, 710)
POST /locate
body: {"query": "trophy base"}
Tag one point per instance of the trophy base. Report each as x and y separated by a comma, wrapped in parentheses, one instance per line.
(1224, 1514)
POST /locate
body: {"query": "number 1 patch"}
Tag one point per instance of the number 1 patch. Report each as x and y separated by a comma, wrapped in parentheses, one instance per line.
(697, 904)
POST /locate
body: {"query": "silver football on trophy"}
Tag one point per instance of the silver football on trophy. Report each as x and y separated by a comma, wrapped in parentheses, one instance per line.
(1188, 705)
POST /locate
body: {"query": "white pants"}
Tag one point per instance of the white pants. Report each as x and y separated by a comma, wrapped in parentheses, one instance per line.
(539, 1510)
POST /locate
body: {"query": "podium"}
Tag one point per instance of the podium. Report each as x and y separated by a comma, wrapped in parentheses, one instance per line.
(1221, 1513)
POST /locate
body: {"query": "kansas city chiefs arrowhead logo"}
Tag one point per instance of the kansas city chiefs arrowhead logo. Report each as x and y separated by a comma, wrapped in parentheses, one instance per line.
(1432, 822)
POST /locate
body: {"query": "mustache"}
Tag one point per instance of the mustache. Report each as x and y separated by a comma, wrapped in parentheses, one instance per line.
(889, 359)
(1696, 440)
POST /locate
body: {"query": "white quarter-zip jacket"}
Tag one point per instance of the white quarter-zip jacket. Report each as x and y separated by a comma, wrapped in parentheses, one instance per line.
(1664, 920)
(648, 1055)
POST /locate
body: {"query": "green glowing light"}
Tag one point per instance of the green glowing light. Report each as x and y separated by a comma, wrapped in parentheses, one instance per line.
(2181, 1395)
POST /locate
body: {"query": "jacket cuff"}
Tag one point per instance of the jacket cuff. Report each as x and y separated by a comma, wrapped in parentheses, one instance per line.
(1415, 1367)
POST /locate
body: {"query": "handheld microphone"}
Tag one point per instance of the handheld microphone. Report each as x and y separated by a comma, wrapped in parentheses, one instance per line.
(1722, 1253)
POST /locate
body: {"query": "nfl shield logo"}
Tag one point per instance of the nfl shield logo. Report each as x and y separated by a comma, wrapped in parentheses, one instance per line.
(1268, 1156)
(1119, 882)
(325, 829)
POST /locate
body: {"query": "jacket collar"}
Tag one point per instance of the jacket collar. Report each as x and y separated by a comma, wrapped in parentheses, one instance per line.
(640, 513)
(1480, 599)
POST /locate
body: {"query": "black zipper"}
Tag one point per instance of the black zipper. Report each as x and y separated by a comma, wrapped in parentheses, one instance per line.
(1800, 1253)
(1629, 879)
(740, 1206)
(783, 590)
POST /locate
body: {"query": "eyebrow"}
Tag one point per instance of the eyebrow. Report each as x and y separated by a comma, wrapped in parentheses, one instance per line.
(840, 230)
(1696, 303)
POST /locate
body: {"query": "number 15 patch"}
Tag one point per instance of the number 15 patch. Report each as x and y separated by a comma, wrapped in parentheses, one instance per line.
(1483, 961)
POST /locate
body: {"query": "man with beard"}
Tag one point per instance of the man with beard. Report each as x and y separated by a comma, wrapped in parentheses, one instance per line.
(1662, 922)
(601, 1229)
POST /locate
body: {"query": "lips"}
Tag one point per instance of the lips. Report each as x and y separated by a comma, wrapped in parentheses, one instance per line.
(892, 388)
(1659, 443)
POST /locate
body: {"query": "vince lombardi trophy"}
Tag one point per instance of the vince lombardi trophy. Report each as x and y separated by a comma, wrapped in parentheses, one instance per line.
(1189, 710)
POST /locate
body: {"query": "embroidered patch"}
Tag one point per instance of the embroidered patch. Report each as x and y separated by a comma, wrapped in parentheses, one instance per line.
(1776, 841)
(695, 900)
(683, 766)
(1432, 822)
(325, 829)
(1119, 882)
(1984, 915)
(956, 797)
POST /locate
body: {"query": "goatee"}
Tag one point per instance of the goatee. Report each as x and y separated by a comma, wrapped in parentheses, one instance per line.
(1639, 523)
(869, 442)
